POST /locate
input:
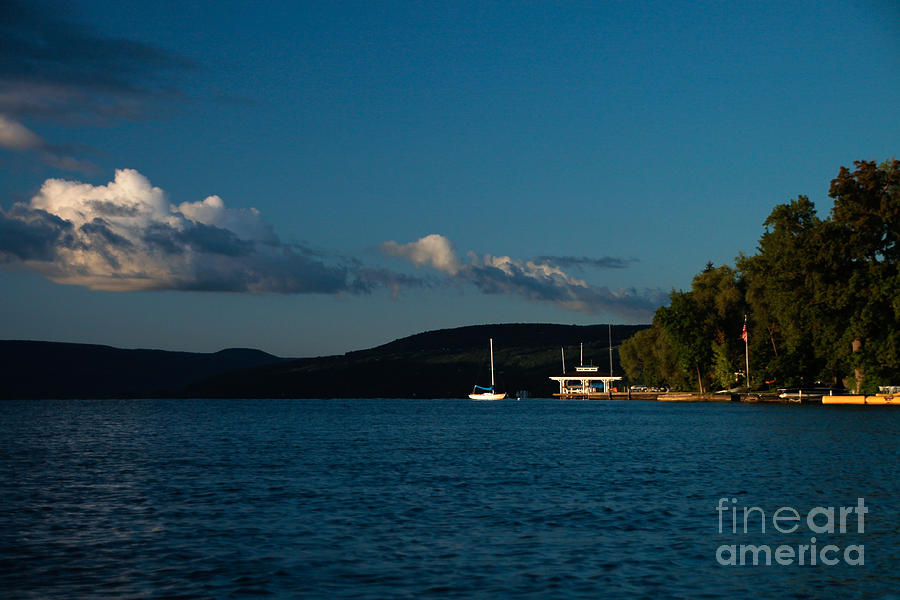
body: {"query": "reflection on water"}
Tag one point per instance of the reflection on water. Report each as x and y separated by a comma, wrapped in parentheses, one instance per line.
(445, 498)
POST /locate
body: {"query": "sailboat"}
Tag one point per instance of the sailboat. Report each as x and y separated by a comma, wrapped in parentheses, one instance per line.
(488, 392)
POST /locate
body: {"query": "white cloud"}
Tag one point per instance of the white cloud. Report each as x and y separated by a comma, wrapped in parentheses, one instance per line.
(433, 250)
(129, 202)
(126, 235)
(247, 223)
(534, 280)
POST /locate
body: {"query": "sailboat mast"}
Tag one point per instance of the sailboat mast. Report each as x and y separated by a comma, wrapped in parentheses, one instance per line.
(563, 351)
(492, 363)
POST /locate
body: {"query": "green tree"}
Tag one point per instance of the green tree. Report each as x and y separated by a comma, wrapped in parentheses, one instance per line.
(723, 369)
(684, 323)
(822, 295)
(866, 221)
(782, 282)
(649, 358)
(719, 295)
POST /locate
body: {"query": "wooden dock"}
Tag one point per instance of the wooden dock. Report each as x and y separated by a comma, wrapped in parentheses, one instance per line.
(691, 397)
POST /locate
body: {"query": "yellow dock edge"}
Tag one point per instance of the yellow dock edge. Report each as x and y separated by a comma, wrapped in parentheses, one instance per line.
(883, 399)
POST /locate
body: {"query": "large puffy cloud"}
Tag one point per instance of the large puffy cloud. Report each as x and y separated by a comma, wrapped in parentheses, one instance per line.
(541, 279)
(126, 235)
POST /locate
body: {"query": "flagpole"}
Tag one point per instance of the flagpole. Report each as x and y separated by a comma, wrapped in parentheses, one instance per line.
(746, 351)
(747, 358)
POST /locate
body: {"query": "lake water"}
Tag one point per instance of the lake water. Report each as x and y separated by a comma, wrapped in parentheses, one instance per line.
(440, 498)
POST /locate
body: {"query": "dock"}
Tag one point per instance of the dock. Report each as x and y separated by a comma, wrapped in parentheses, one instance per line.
(749, 398)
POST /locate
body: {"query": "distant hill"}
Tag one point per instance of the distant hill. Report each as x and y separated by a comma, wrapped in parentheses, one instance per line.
(444, 363)
(59, 370)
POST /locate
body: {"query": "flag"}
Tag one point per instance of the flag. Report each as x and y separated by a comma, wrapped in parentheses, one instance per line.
(744, 332)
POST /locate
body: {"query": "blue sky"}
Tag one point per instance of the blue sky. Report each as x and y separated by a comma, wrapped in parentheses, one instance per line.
(312, 178)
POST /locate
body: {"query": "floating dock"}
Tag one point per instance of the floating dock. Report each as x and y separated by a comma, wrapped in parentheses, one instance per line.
(882, 399)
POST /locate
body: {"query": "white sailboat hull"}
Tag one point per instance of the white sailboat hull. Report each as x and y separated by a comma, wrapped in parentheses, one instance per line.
(487, 396)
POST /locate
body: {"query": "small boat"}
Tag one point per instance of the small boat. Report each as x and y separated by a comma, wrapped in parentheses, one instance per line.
(487, 393)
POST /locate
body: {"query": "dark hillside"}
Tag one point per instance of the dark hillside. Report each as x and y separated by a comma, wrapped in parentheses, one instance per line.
(59, 370)
(444, 363)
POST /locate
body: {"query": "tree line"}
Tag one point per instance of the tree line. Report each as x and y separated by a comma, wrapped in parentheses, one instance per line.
(821, 298)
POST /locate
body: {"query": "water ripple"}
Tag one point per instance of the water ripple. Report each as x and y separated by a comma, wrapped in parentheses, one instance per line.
(411, 499)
